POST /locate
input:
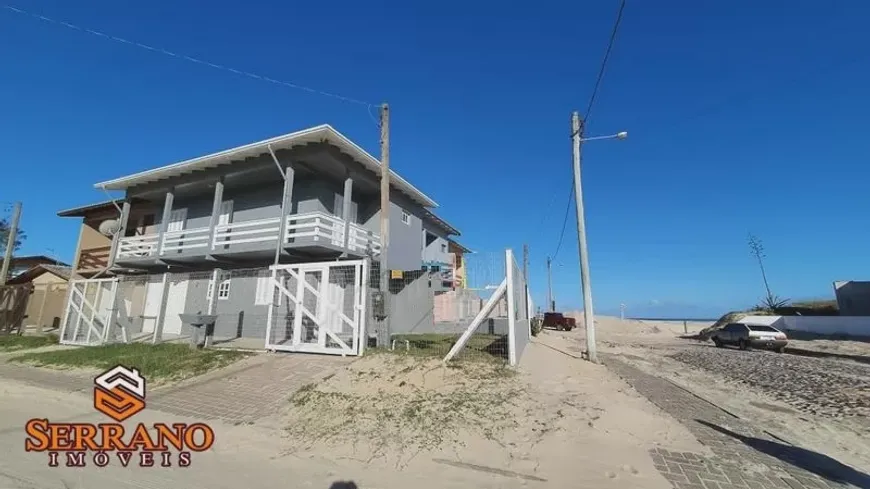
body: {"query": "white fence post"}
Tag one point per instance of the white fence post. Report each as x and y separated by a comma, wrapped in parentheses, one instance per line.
(512, 312)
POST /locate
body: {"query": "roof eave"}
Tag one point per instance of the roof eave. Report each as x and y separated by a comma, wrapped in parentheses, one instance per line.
(128, 181)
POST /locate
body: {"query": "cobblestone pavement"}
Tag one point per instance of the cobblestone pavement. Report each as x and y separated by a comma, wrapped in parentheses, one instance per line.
(244, 392)
(248, 393)
(745, 456)
(820, 386)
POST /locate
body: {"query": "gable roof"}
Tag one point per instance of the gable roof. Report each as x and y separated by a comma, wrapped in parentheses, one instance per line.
(64, 272)
(462, 248)
(321, 133)
(441, 223)
(82, 211)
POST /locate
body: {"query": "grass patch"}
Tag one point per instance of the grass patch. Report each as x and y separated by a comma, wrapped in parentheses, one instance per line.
(479, 346)
(16, 342)
(164, 362)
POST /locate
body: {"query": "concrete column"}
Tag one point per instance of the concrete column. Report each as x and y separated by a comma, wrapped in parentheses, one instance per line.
(345, 211)
(215, 210)
(164, 223)
(161, 311)
(286, 206)
(122, 229)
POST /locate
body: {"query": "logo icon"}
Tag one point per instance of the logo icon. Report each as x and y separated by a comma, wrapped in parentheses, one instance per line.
(119, 393)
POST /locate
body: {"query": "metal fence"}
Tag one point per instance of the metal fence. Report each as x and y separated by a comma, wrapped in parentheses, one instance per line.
(305, 307)
(425, 319)
(502, 327)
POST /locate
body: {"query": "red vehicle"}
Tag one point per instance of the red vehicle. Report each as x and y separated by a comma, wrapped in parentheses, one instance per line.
(557, 320)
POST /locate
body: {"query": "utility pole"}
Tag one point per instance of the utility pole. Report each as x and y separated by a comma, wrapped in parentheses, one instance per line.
(384, 336)
(526, 278)
(10, 242)
(551, 305)
(589, 316)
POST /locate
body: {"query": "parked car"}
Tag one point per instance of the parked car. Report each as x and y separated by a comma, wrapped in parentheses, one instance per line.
(747, 336)
(557, 320)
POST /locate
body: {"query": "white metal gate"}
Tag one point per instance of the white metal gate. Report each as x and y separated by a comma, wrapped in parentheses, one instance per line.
(88, 316)
(318, 307)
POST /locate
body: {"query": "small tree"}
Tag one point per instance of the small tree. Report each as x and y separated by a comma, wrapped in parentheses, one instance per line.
(771, 301)
(5, 227)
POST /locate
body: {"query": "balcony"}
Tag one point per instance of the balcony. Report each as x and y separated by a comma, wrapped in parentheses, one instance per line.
(310, 230)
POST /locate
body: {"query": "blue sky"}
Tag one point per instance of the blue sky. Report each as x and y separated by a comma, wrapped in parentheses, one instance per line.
(743, 116)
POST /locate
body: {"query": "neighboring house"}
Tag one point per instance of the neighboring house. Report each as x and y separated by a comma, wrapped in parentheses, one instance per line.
(45, 305)
(93, 246)
(21, 264)
(306, 201)
(459, 269)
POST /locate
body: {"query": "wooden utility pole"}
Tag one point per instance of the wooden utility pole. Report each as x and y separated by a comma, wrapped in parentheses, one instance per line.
(589, 317)
(10, 243)
(384, 336)
(551, 305)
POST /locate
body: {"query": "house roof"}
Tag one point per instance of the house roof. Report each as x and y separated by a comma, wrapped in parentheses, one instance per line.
(456, 244)
(321, 133)
(87, 209)
(32, 260)
(64, 272)
(441, 222)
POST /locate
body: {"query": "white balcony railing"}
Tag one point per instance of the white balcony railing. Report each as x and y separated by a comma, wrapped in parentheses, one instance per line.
(309, 227)
(363, 240)
(318, 226)
(137, 246)
(184, 240)
(260, 230)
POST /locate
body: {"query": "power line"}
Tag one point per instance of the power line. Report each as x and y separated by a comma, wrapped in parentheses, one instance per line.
(565, 220)
(187, 58)
(595, 88)
(604, 60)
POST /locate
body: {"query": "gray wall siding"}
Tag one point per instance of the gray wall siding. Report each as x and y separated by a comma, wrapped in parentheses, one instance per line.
(436, 251)
(238, 315)
(406, 244)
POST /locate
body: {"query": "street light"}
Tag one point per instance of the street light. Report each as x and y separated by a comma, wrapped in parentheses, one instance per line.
(588, 314)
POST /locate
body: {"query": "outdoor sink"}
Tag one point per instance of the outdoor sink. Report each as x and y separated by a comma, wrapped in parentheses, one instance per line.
(196, 322)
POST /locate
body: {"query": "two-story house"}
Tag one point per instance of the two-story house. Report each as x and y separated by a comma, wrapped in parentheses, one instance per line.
(309, 197)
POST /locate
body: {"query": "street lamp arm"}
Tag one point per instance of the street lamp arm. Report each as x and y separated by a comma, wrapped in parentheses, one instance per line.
(619, 135)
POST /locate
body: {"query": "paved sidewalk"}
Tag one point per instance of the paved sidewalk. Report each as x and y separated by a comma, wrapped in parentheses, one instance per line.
(244, 392)
(256, 388)
(745, 455)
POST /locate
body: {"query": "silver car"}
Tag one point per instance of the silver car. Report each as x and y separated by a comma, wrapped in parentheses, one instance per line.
(747, 336)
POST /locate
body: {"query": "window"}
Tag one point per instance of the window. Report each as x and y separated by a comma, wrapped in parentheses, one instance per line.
(263, 296)
(443, 247)
(406, 218)
(735, 327)
(210, 290)
(766, 329)
(176, 219)
(224, 290)
(226, 213)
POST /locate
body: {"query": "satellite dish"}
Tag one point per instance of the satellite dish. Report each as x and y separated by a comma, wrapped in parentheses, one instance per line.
(110, 227)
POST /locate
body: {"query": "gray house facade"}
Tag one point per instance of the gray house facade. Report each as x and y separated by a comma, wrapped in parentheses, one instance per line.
(276, 239)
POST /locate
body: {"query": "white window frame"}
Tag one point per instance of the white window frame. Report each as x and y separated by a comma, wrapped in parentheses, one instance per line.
(406, 217)
(224, 290)
(175, 222)
(263, 295)
(225, 216)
